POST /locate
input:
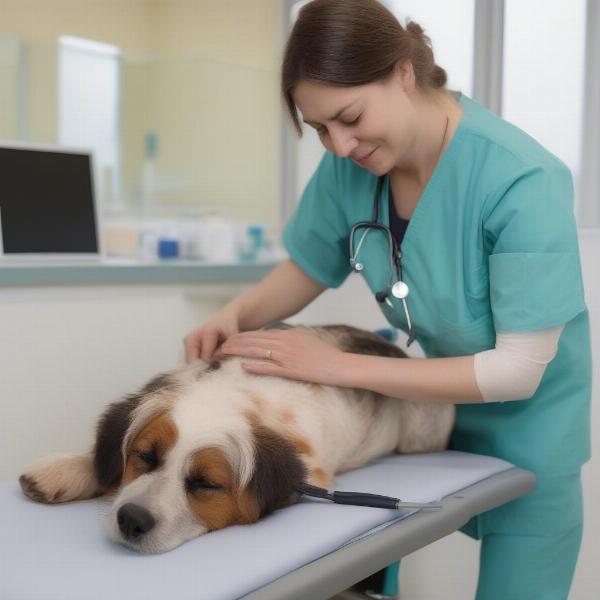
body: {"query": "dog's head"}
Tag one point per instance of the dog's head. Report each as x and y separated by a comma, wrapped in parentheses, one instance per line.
(194, 457)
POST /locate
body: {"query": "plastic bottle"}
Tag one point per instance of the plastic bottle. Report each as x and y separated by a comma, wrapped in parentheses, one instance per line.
(148, 171)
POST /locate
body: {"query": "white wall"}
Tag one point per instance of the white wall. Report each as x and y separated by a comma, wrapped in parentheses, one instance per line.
(67, 352)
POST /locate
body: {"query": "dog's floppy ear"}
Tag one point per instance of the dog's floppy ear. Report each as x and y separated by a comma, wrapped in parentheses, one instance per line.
(112, 428)
(113, 424)
(278, 470)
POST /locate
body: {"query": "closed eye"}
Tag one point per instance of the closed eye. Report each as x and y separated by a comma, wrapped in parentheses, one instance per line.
(149, 460)
(355, 122)
(197, 484)
(322, 130)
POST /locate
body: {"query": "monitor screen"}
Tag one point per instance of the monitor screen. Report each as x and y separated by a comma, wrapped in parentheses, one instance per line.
(46, 202)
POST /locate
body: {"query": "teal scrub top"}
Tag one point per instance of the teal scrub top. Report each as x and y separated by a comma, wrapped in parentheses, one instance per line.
(490, 248)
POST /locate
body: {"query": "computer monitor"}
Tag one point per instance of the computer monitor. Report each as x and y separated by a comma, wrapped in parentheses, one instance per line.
(48, 203)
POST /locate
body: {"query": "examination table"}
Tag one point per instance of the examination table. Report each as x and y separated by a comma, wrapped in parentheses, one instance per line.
(308, 551)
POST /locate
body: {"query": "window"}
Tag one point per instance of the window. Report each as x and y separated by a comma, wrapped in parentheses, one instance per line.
(543, 74)
(449, 25)
(88, 105)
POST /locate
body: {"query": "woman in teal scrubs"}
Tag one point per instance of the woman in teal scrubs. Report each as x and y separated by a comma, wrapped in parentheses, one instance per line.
(482, 215)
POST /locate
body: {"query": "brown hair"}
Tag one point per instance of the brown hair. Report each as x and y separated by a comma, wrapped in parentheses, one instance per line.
(353, 42)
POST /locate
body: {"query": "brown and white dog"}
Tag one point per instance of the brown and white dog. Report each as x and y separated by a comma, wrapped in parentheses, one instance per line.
(207, 446)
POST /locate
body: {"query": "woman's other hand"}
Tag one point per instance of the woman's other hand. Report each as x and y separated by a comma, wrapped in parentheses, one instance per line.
(203, 341)
(283, 292)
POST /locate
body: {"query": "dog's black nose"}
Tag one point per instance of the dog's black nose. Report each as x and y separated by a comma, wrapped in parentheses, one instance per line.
(134, 521)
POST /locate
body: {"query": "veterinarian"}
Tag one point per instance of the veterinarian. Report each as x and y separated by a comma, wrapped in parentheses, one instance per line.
(487, 275)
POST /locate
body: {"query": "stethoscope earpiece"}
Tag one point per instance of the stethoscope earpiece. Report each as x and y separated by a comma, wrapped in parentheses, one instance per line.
(357, 266)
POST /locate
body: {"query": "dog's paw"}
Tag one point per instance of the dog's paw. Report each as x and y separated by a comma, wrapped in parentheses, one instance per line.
(60, 479)
(31, 490)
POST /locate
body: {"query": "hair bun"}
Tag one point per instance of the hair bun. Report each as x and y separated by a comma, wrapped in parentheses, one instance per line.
(439, 77)
(414, 29)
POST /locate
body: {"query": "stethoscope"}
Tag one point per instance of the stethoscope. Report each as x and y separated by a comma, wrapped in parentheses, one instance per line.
(398, 289)
(363, 499)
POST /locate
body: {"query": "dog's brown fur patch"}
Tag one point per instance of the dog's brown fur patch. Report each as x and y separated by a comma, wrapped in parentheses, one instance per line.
(287, 416)
(302, 446)
(156, 439)
(217, 508)
(358, 341)
(320, 478)
(257, 401)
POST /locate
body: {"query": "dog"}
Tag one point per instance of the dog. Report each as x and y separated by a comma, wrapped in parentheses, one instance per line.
(210, 445)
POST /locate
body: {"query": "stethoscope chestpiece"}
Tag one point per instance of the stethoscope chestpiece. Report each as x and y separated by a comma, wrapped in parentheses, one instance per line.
(400, 290)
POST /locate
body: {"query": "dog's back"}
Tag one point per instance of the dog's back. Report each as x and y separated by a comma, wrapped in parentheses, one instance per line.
(344, 428)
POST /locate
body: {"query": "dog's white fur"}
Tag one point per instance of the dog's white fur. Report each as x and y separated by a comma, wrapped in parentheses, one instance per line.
(331, 429)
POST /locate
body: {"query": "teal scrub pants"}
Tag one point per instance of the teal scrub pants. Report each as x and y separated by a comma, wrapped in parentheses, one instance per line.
(527, 567)
(529, 547)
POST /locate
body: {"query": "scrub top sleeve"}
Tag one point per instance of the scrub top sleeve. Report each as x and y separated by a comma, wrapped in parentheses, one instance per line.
(316, 236)
(534, 266)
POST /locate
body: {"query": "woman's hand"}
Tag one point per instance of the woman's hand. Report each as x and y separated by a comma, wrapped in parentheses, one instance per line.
(294, 354)
(202, 342)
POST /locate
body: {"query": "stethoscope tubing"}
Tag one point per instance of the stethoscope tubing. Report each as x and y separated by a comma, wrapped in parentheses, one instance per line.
(363, 499)
(395, 257)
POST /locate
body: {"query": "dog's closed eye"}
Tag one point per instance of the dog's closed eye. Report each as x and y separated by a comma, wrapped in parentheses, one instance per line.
(149, 460)
(200, 484)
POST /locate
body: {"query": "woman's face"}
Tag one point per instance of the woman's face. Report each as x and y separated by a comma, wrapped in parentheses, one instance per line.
(373, 124)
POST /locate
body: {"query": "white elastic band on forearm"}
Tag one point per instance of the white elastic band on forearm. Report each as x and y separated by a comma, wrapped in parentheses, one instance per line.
(514, 368)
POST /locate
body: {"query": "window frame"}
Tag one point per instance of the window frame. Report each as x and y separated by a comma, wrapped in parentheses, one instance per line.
(588, 208)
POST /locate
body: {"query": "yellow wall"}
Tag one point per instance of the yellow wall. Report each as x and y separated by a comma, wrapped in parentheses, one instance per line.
(215, 104)
(243, 32)
(211, 96)
(10, 56)
(125, 23)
